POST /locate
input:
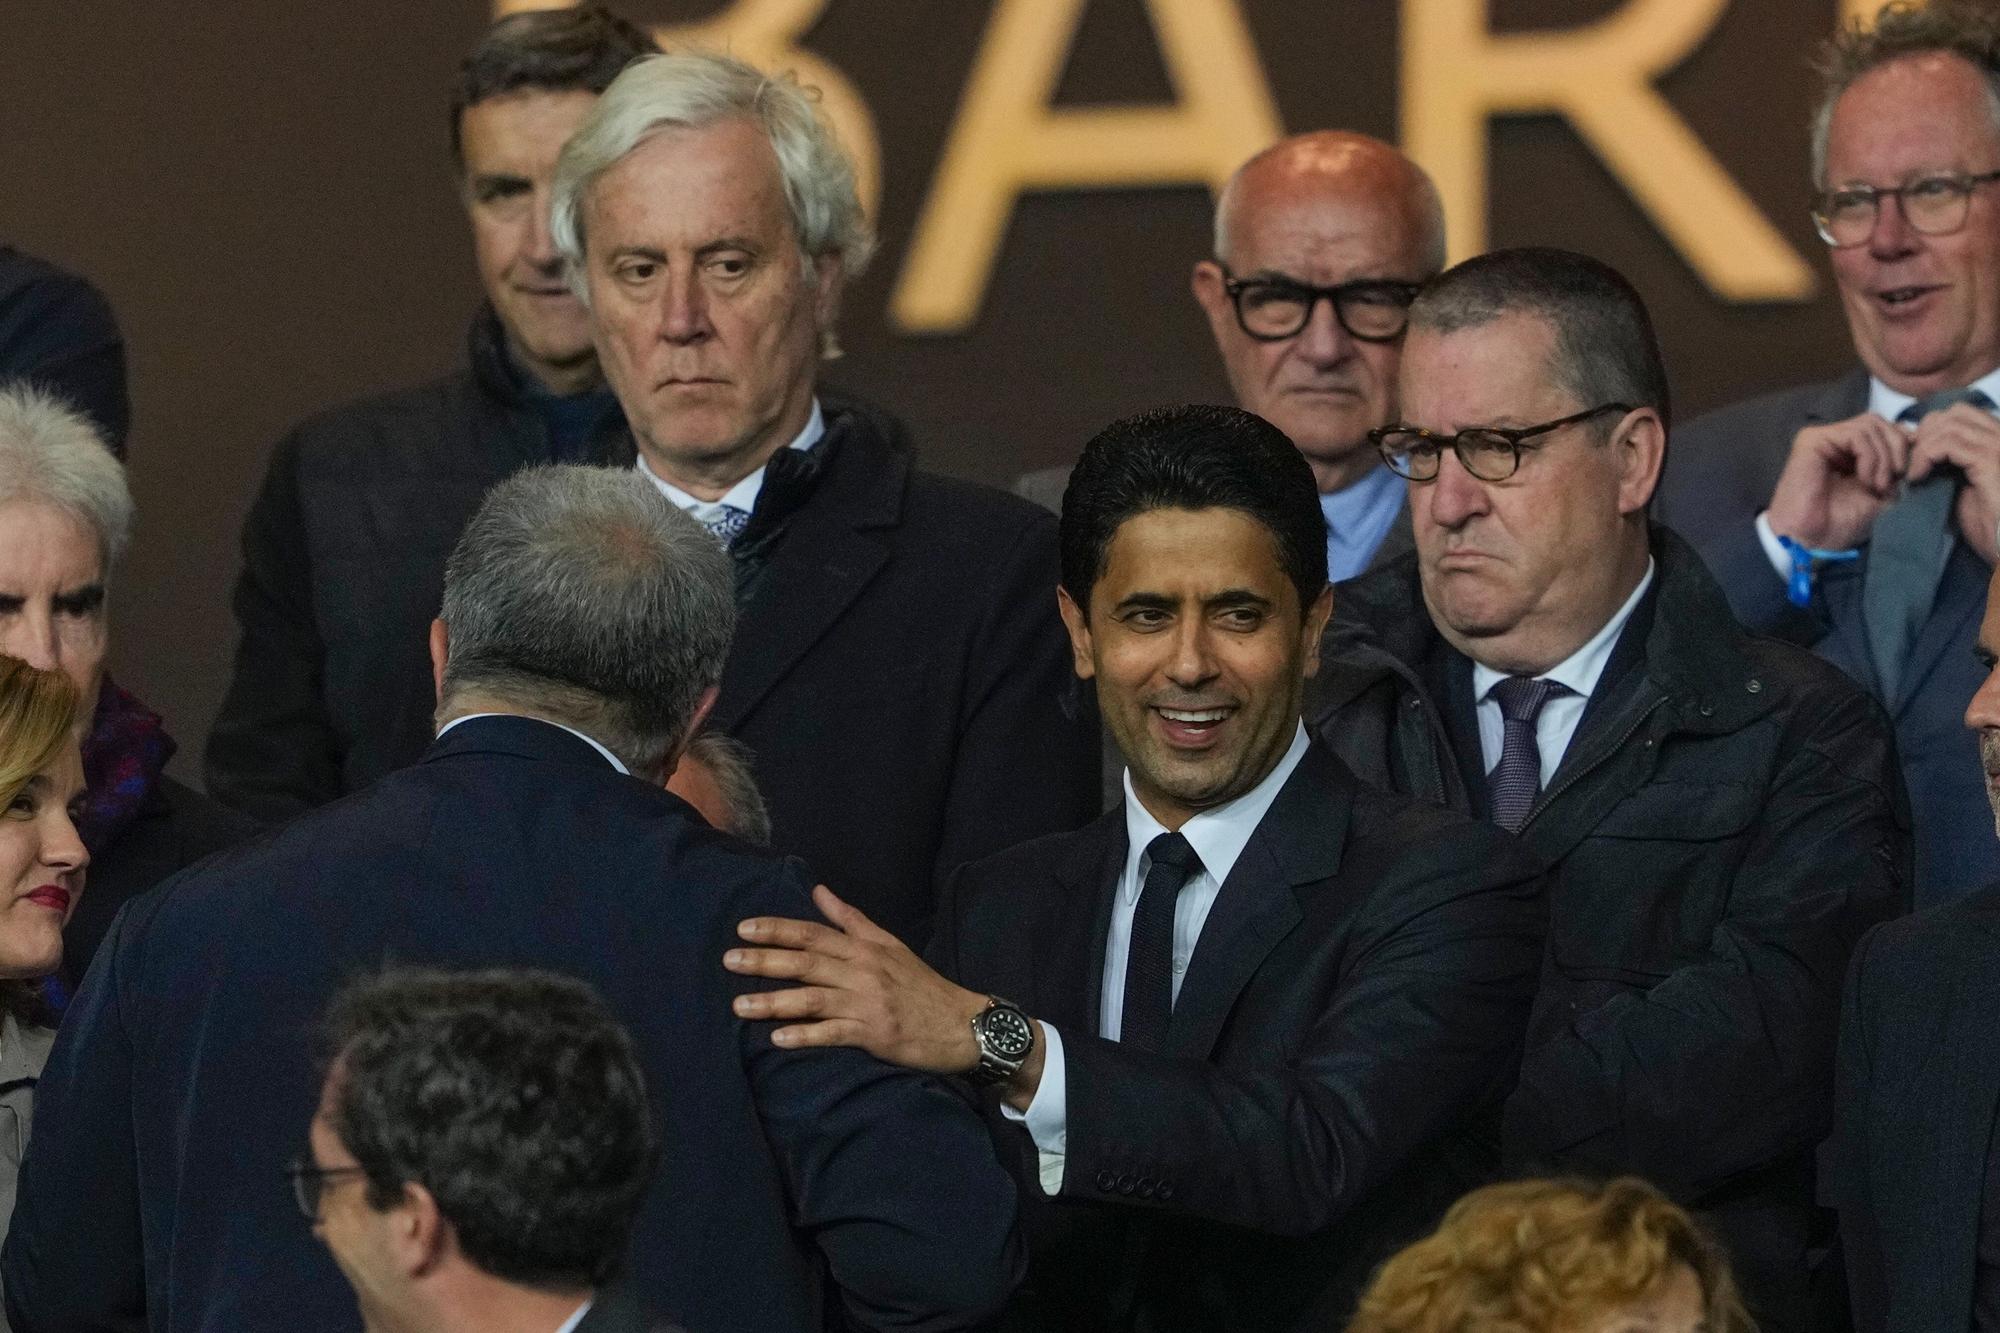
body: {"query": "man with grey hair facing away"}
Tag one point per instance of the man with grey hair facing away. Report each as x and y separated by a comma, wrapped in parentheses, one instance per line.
(584, 627)
(901, 671)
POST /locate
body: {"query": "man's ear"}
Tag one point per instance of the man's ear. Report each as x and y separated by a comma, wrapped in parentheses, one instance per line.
(420, 1236)
(702, 709)
(440, 646)
(1206, 283)
(1642, 453)
(1315, 628)
(1077, 622)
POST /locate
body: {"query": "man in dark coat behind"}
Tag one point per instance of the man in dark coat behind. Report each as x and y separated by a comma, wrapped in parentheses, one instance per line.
(900, 674)
(1914, 1163)
(345, 543)
(58, 333)
(1723, 813)
(585, 625)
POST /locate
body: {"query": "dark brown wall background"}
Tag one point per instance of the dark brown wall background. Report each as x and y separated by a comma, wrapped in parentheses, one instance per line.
(262, 190)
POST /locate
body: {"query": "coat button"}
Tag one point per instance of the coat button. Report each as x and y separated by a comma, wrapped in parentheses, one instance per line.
(1166, 1190)
(1126, 1184)
(1147, 1187)
(1754, 685)
(1707, 708)
(1106, 1181)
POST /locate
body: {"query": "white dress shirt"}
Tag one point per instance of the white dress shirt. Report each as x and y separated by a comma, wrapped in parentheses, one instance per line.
(743, 495)
(1218, 837)
(609, 757)
(1887, 404)
(1556, 724)
(569, 1324)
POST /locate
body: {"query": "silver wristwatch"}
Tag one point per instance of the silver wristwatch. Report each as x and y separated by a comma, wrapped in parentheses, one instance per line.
(1006, 1037)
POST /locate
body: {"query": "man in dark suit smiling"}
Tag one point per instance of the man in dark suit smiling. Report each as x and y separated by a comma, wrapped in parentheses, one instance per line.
(1255, 1014)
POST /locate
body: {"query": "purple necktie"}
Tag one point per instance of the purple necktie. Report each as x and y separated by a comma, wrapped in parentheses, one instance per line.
(1149, 959)
(1517, 779)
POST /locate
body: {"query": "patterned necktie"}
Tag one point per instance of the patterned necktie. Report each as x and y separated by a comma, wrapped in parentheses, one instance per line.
(1907, 553)
(726, 524)
(1149, 960)
(1517, 779)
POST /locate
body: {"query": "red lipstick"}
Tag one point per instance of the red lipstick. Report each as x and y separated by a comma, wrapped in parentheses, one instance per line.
(52, 896)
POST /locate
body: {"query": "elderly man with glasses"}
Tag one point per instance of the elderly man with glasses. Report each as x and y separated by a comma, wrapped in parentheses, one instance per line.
(1722, 812)
(1321, 241)
(1858, 517)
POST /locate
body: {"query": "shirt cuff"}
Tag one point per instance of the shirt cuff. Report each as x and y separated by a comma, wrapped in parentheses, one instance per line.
(1047, 1116)
(1781, 560)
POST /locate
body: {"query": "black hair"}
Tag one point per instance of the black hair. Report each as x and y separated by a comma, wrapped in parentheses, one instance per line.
(1195, 457)
(514, 1098)
(580, 49)
(1605, 348)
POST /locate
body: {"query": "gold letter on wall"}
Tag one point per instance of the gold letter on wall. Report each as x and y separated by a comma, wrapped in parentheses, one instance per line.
(1008, 139)
(764, 32)
(1457, 74)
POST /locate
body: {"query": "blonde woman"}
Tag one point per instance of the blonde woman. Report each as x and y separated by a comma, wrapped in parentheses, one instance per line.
(41, 879)
(1558, 1256)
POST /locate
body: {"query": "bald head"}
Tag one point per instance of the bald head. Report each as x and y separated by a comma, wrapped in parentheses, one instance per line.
(1322, 210)
(1337, 168)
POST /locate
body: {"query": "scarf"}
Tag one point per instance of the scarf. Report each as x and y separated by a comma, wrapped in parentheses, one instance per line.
(123, 756)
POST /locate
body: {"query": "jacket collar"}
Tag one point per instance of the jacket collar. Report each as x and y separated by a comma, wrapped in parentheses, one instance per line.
(829, 553)
(24, 1049)
(1695, 653)
(1841, 398)
(519, 737)
(1300, 842)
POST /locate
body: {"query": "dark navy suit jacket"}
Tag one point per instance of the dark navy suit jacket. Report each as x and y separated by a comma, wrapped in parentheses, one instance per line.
(185, 1075)
(1721, 471)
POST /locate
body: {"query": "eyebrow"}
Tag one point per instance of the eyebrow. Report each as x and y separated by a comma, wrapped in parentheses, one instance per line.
(1159, 601)
(86, 597)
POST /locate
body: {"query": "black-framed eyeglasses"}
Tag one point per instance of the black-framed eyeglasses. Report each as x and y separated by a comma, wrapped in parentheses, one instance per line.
(1934, 205)
(1272, 309)
(1490, 453)
(309, 1183)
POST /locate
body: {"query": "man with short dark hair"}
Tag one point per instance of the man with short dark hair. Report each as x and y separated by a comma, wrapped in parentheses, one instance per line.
(1256, 1021)
(583, 633)
(1321, 240)
(1914, 1164)
(58, 332)
(482, 1144)
(344, 547)
(1857, 516)
(1722, 812)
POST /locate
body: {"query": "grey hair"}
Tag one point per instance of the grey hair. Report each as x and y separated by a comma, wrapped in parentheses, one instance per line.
(731, 767)
(582, 594)
(1964, 28)
(695, 89)
(53, 454)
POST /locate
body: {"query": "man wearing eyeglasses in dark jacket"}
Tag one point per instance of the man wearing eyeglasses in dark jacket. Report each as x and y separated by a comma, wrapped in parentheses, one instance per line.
(1723, 813)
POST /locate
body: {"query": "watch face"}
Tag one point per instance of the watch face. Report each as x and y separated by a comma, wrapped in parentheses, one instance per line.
(1008, 1032)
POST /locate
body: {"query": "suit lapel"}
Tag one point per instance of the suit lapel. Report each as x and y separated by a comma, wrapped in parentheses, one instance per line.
(820, 565)
(1299, 842)
(1400, 539)
(1070, 974)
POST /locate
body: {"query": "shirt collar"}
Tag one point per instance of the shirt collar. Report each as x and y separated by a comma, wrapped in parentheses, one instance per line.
(1580, 670)
(743, 495)
(1346, 506)
(569, 1325)
(1218, 836)
(1888, 404)
(609, 757)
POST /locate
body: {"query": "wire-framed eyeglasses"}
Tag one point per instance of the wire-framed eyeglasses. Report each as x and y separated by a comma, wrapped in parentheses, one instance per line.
(1490, 453)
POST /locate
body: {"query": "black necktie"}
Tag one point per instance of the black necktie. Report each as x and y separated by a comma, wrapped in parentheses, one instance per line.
(1517, 779)
(1149, 962)
(1907, 552)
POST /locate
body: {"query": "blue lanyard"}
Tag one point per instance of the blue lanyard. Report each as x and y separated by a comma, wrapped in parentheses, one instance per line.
(1806, 561)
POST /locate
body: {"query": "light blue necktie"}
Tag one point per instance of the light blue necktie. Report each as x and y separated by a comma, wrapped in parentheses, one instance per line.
(726, 524)
(1907, 553)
